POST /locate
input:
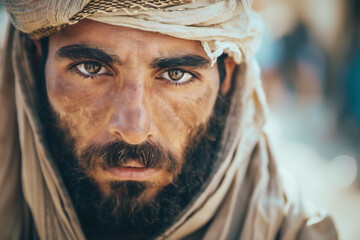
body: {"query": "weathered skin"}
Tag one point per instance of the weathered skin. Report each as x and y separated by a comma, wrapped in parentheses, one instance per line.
(131, 101)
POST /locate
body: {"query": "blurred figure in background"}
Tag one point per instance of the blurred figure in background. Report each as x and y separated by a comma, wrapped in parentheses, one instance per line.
(347, 87)
(310, 69)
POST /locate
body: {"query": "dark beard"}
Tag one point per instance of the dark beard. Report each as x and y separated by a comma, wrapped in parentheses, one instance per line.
(122, 215)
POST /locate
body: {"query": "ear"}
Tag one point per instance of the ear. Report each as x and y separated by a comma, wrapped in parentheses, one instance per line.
(229, 68)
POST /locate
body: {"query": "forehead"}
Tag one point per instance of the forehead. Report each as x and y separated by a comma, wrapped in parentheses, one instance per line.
(110, 37)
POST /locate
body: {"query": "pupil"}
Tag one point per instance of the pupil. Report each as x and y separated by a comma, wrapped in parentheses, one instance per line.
(92, 68)
(176, 74)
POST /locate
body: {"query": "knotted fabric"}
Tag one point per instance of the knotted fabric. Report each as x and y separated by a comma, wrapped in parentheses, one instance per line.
(222, 26)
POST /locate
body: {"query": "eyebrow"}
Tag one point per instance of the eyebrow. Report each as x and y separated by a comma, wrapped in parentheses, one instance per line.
(83, 51)
(181, 61)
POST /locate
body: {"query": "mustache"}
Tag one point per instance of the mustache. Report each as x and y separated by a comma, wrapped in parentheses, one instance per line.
(118, 153)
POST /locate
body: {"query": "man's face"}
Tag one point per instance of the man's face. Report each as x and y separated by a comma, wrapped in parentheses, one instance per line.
(119, 88)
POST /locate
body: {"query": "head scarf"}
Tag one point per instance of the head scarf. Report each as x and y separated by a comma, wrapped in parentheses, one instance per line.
(227, 25)
(245, 196)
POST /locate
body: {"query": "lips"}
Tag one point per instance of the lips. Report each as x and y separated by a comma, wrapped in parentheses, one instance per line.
(132, 171)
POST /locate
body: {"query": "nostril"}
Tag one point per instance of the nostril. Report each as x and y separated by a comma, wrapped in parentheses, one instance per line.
(115, 132)
(131, 135)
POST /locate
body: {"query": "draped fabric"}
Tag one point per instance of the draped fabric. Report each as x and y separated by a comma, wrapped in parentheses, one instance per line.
(246, 197)
(221, 25)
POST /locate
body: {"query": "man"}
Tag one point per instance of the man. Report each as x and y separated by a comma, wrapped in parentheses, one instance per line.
(140, 120)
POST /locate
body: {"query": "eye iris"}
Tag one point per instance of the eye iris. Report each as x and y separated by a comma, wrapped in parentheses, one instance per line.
(92, 67)
(176, 74)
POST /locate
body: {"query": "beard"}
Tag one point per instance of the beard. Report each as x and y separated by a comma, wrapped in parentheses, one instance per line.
(126, 212)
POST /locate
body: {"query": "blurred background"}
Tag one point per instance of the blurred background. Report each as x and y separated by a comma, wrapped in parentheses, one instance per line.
(310, 61)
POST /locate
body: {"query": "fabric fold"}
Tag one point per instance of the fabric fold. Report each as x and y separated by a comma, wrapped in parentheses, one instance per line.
(245, 197)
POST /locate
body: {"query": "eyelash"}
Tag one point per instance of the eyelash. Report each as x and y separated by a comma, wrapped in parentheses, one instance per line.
(76, 71)
(85, 76)
(73, 68)
(179, 84)
(174, 83)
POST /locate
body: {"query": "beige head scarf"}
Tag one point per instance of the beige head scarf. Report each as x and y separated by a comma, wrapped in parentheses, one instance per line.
(245, 197)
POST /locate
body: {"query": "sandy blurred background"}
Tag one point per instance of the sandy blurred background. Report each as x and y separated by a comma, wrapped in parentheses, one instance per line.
(310, 61)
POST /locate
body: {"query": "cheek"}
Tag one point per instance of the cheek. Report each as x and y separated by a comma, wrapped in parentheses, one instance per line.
(179, 114)
(81, 109)
(195, 109)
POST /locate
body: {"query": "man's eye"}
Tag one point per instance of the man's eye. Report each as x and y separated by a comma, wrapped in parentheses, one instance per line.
(176, 75)
(91, 68)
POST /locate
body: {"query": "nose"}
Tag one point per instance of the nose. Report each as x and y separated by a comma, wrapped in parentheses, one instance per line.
(131, 120)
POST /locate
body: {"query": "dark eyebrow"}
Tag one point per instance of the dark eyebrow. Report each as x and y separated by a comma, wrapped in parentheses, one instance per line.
(181, 61)
(83, 51)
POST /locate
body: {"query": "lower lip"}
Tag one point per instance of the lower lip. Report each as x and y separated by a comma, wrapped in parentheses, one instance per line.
(132, 173)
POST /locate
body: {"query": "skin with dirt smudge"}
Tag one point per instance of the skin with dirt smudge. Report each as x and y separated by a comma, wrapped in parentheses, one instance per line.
(129, 97)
